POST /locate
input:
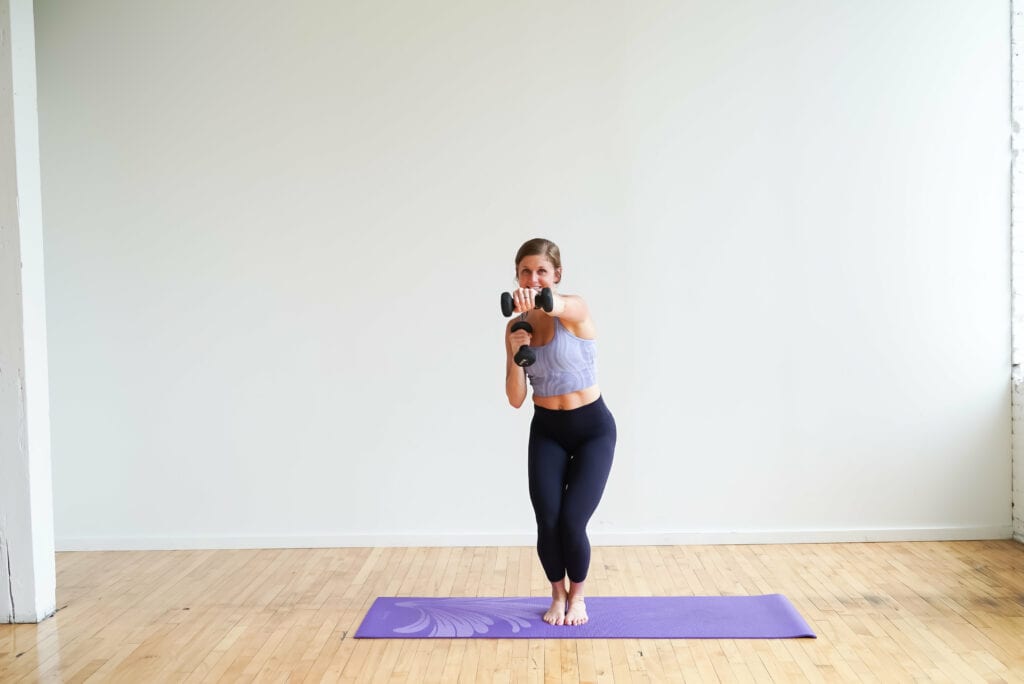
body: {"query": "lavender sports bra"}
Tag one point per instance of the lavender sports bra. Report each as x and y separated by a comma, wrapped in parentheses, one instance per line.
(565, 364)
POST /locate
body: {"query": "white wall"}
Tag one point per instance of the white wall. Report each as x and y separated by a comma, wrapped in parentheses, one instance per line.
(276, 237)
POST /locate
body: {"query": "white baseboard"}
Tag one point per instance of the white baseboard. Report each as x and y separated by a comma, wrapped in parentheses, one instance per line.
(805, 536)
(598, 538)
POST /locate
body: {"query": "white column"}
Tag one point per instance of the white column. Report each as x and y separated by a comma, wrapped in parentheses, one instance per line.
(27, 568)
(1017, 276)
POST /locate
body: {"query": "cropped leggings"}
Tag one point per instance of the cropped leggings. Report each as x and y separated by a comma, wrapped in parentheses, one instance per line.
(570, 456)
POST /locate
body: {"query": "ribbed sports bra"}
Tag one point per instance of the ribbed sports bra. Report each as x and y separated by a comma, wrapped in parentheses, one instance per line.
(565, 364)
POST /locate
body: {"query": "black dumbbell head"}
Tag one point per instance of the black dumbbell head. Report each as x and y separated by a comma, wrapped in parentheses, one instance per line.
(525, 357)
(545, 300)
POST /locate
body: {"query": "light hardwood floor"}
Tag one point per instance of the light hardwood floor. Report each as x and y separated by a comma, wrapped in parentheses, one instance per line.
(885, 612)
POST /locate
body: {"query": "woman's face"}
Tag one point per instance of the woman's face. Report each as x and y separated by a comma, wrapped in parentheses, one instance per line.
(537, 272)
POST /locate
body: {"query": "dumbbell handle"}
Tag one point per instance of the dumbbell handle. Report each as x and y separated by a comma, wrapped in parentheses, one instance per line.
(545, 300)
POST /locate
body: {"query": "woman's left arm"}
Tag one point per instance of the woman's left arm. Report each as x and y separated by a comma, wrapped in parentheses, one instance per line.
(575, 315)
(570, 308)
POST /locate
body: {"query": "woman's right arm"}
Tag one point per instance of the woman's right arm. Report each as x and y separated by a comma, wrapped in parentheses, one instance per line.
(515, 376)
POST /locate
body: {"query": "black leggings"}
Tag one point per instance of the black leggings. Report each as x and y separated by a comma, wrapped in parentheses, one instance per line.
(570, 458)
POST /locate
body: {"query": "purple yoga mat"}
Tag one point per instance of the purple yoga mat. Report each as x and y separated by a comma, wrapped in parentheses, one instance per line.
(642, 617)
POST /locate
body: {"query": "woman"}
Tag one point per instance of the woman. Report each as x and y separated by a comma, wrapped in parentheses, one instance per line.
(572, 436)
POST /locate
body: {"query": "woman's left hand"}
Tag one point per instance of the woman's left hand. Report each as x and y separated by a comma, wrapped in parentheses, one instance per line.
(524, 300)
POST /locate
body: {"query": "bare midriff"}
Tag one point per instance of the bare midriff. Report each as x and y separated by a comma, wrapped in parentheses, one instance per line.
(570, 401)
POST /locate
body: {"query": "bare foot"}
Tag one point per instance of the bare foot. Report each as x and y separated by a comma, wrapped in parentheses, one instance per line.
(556, 613)
(577, 614)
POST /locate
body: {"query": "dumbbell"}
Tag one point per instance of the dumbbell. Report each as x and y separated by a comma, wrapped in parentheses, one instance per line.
(545, 300)
(525, 356)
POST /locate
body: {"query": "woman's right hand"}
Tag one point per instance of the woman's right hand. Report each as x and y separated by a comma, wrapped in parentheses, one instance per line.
(515, 377)
(518, 339)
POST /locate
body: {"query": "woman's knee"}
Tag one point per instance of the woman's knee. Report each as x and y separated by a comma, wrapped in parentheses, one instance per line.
(548, 525)
(573, 533)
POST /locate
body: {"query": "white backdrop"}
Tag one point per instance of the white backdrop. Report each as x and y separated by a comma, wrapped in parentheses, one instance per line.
(276, 234)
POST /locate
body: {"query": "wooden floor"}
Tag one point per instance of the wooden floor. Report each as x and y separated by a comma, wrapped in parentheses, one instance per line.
(883, 612)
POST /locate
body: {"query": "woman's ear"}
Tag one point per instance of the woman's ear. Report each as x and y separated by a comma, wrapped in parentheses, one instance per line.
(558, 275)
